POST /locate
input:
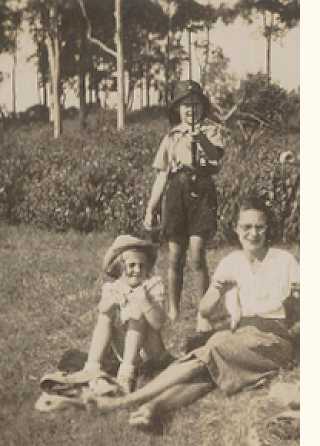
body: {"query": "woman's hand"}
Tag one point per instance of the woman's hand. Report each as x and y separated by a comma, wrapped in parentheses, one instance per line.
(148, 219)
(224, 285)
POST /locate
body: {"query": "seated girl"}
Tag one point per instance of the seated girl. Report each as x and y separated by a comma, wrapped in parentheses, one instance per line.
(135, 301)
(260, 284)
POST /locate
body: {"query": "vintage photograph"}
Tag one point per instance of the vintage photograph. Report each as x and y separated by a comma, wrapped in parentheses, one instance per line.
(150, 222)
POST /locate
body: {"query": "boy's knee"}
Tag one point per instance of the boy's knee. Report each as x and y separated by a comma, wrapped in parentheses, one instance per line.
(198, 263)
(176, 262)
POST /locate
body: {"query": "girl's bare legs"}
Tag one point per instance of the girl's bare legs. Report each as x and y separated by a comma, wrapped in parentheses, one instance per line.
(132, 345)
(177, 256)
(177, 373)
(153, 344)
(200, 275)
(133, 340)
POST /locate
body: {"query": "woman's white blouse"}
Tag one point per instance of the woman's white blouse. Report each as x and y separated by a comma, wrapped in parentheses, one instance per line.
(262, 287)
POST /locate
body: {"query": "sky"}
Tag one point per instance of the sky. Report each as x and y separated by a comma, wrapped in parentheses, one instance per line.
(243, 44)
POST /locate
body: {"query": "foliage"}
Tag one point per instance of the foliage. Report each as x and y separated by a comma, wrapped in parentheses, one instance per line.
(101, 179)
(269, 102)
(9, 23)
(287, 11)
(258, 171)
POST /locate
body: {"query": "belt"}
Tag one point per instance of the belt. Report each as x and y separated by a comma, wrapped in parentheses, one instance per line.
(190, 171)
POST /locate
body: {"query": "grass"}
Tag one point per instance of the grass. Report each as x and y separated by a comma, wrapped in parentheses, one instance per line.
(49, 289)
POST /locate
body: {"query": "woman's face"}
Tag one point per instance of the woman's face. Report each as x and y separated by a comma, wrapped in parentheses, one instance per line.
(251, 229)
(185, 109)
(135, 267)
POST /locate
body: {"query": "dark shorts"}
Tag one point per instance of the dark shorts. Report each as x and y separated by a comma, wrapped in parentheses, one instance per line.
(190, 207)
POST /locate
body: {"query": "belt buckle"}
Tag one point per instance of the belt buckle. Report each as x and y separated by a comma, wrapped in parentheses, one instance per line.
(193, 178)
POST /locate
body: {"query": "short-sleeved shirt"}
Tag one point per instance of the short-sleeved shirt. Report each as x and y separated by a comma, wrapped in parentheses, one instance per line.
(175, 149)
(116, 295)
(263, 290)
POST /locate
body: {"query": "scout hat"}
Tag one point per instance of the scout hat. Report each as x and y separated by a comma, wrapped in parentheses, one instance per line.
(127, 242)
(181, 91)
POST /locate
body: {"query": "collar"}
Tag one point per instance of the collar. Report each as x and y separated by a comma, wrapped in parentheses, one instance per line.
(183, 128)
(123, 287)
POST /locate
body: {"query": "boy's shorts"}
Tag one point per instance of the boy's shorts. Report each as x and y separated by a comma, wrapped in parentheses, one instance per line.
(190, 207)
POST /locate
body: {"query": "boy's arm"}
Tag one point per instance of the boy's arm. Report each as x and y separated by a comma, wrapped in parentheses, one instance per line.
(213, 148)
(100, 341)
(156, 193)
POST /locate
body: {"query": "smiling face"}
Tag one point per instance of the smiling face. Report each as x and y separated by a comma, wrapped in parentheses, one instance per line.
(135, 269)
(251, 229)
(186, 105)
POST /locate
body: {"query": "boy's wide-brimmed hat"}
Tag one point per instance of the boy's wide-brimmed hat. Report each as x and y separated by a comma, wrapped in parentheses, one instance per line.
(181, 91)
(127, 242)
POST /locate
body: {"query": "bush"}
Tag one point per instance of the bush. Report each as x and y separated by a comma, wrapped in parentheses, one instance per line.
(100, 180)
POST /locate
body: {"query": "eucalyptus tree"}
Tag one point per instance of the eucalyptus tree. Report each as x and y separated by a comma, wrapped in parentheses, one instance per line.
(278, 17)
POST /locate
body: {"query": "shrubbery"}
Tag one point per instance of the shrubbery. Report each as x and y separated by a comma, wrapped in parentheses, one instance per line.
(100, 180)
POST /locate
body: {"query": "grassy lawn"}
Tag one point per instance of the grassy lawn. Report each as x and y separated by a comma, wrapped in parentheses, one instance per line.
(49, 289)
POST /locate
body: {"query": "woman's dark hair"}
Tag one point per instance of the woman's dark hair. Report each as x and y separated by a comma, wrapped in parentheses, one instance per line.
(258, 203)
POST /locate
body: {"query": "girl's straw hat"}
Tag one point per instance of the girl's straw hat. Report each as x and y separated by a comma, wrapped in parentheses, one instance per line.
(126, 242)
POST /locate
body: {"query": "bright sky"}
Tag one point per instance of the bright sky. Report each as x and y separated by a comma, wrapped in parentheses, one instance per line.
(241, 42)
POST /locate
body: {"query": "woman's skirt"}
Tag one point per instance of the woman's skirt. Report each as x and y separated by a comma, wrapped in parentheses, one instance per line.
(256, 350)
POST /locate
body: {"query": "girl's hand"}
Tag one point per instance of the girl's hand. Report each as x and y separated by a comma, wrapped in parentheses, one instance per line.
(134, 308)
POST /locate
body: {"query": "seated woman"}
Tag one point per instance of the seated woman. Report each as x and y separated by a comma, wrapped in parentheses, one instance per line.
(259, 283)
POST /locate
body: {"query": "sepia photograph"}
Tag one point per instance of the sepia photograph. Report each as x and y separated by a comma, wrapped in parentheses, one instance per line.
(150, 222)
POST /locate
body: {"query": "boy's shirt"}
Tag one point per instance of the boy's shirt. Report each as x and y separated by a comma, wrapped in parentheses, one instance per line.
(117, 295)
(175, 148)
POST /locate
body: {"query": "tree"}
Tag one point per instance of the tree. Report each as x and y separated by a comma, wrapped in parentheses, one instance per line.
(278, 16)
(10, 21)
(44, 18)
(117, 54)
(7, 26)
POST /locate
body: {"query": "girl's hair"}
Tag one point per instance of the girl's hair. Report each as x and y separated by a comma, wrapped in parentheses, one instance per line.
(116, 268)
(258, 203)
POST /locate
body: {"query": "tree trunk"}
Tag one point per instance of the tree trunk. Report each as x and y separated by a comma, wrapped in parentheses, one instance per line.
(141, 93)
(44, 92)
(82, 78)
(120, 67)
(54, 63)
(13, 78)
(167, 67)
(268, 29)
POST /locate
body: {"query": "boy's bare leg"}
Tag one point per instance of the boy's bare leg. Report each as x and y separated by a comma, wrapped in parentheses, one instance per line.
(200, 276)
(177, 256)
(199, 265)
(173, 398)
(177, 373)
